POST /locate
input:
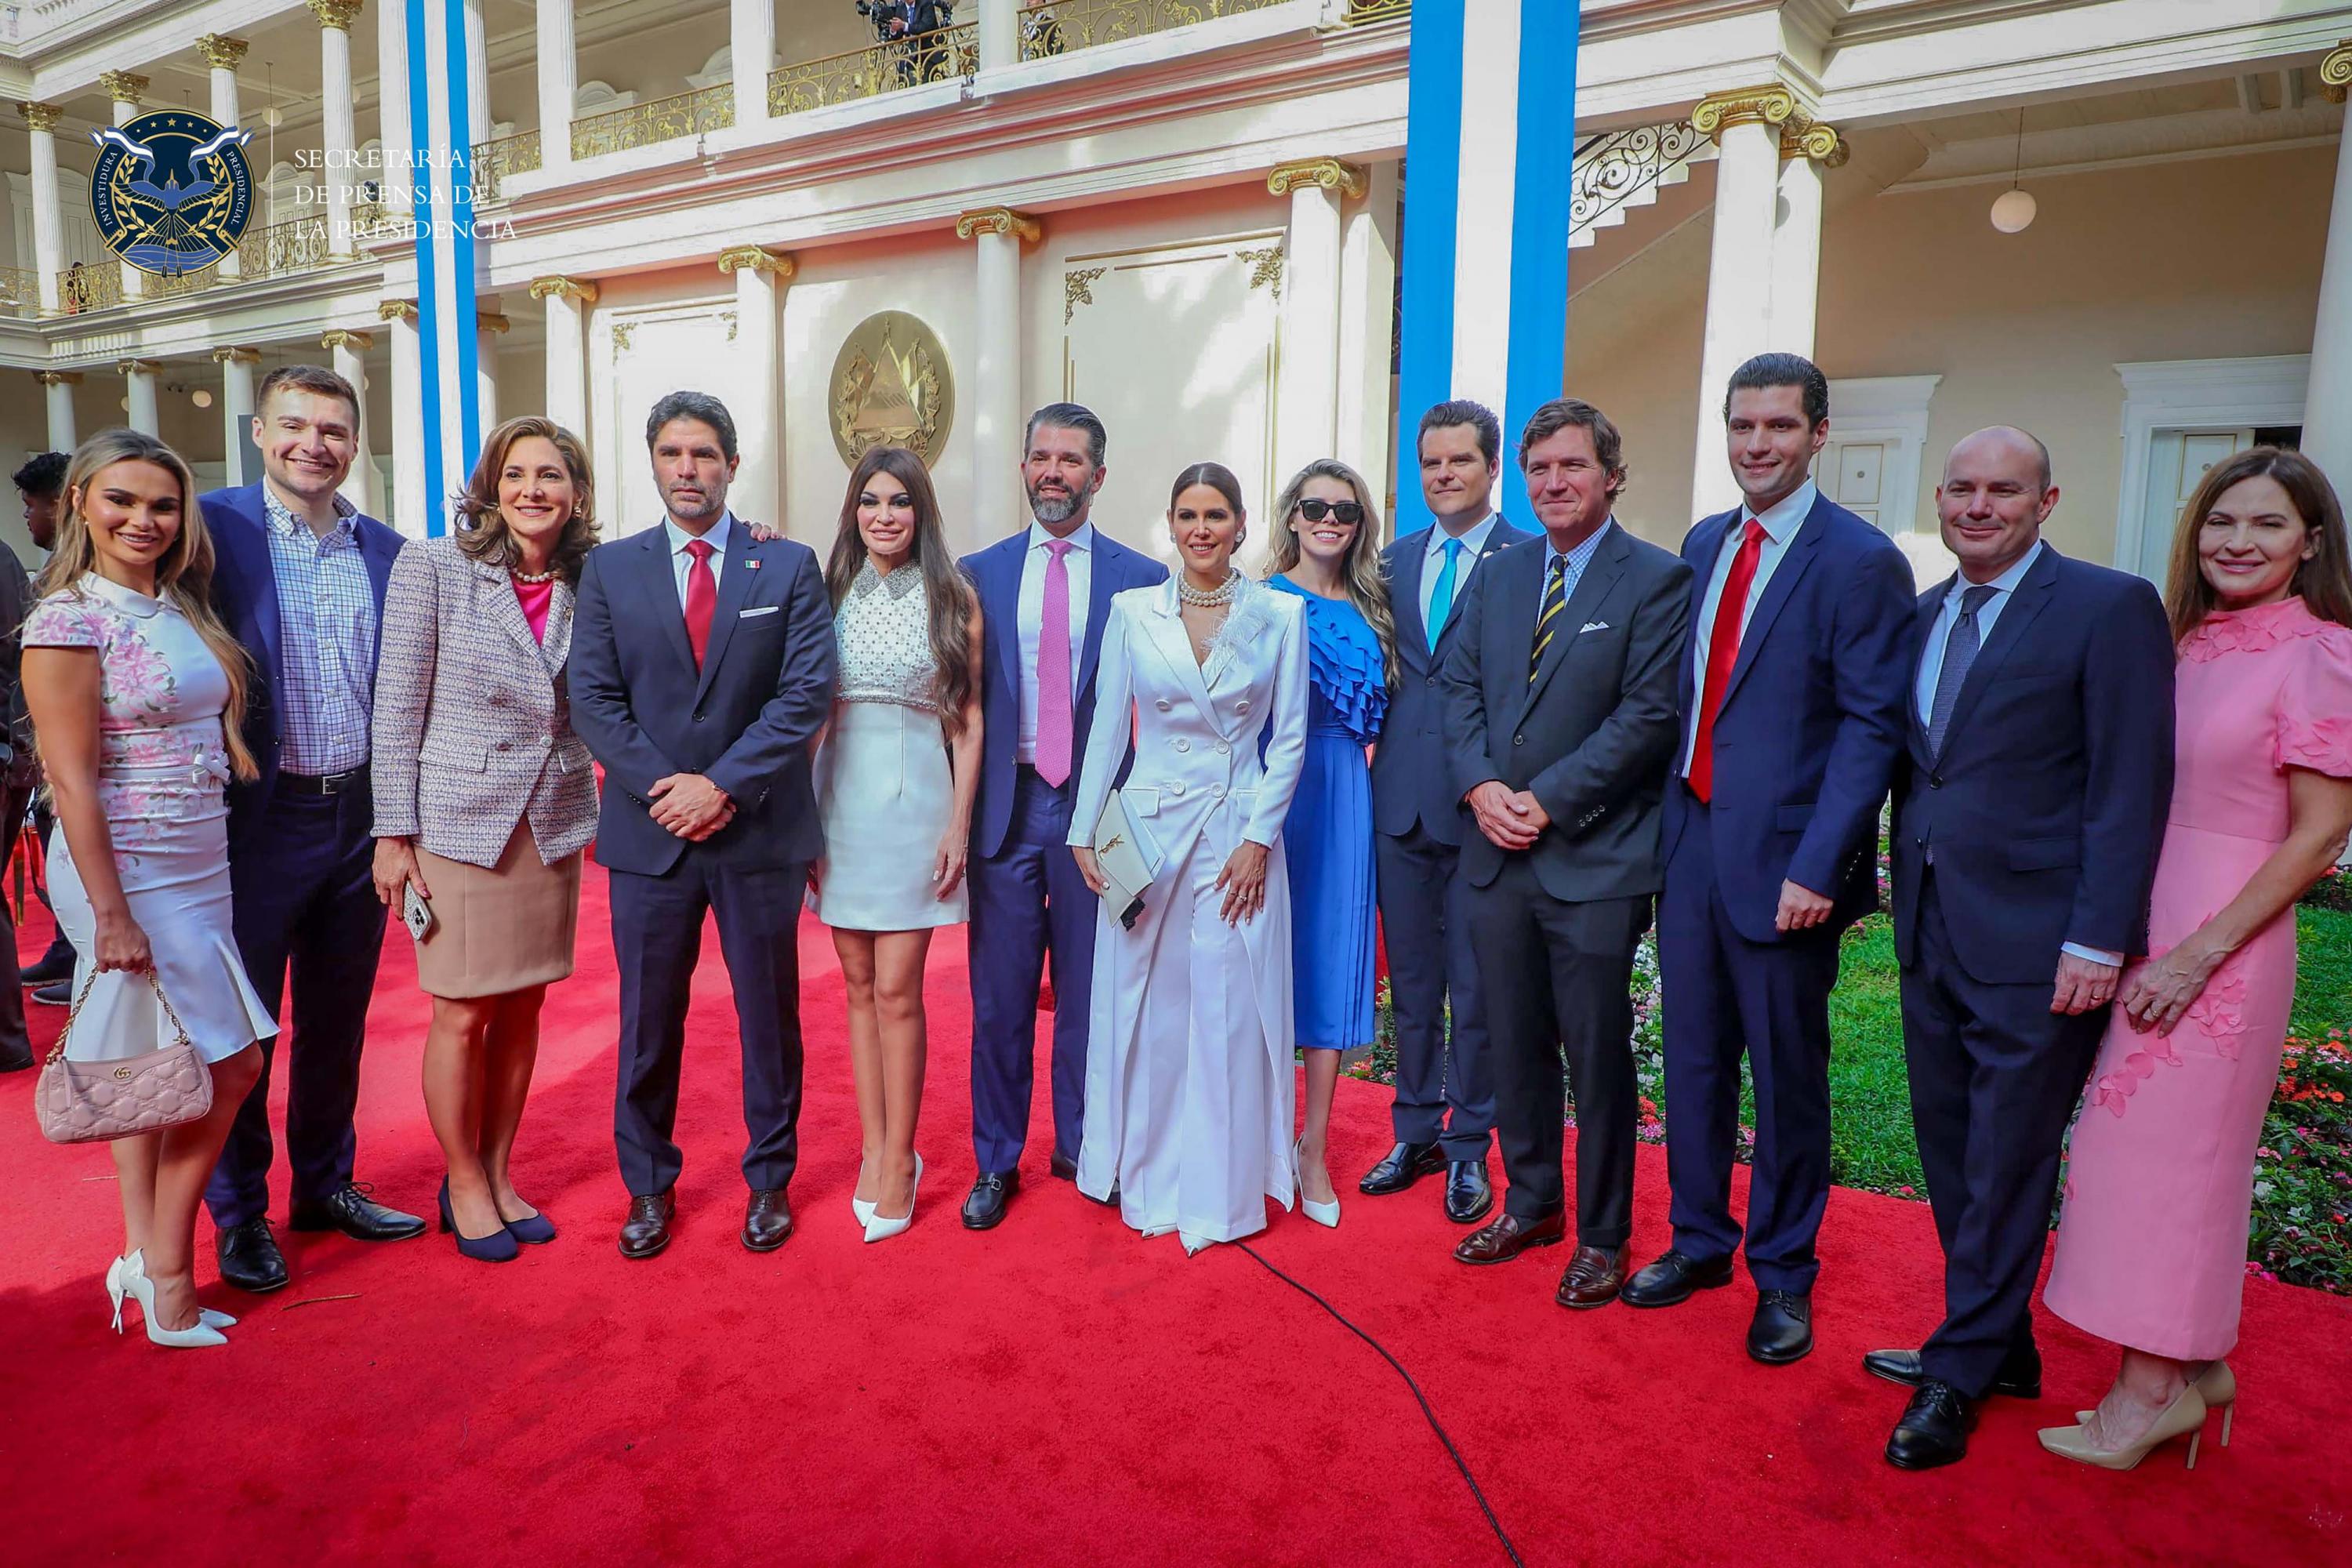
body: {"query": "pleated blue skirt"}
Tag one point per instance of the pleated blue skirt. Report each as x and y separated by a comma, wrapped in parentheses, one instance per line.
(1328, 838)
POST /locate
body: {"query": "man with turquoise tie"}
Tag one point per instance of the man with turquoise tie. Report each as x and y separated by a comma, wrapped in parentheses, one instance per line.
(1444, 1107)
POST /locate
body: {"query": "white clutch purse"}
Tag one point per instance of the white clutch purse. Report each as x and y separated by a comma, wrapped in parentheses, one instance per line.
(1128, 857)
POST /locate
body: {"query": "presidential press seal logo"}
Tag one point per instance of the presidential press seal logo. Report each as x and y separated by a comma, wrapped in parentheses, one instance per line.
(171, 192)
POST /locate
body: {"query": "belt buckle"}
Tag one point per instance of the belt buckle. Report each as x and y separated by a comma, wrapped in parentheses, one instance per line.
(338, 783)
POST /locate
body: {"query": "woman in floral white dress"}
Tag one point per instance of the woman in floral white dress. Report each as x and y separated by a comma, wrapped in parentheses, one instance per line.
(136, 691)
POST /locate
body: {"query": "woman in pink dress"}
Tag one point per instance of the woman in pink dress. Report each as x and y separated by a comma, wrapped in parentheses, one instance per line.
(2152, 1246)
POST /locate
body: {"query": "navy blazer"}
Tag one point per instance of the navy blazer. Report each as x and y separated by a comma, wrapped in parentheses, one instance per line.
(245, 596)
(2045, 809)
(1412, 780)
(744, 721)
(1811, 723)
(995, 574)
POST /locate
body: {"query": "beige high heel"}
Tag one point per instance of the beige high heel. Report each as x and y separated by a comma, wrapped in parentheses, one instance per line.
(2185, 1416)
(2218, 1386)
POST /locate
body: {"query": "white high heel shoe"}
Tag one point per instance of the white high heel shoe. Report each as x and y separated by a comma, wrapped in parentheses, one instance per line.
(1193, 1244)
(880, 1229)
(114, 1293)
(141, 1290)
(1326, 1214)
(862, 1208)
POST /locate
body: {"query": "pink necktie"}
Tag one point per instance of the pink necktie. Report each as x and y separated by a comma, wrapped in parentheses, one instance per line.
(1053, 669)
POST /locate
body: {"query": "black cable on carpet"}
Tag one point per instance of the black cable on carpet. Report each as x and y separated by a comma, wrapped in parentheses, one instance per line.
(1427, 1413)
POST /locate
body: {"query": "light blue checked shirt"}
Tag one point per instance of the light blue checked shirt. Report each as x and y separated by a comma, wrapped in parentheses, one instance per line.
(1578, 560)
(326, 632)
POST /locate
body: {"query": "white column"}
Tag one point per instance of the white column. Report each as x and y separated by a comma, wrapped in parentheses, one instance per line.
(336, 133)
(1797, 236)
(392, 97)
(1000, 34)
(1747, 128)
(1368, 330)
(477, 75)
(139, 381)
(408, 504)
(489, 327)
(568, 299)
(1307, 378)
(126, 88)
(221, 56)
(360, 486)
(56, 392)
(1485, 206)
(559, 83)
(998, 233)
(751, 37)
(2327, 405)
(237, 409)
(757, 493)
(48, 226)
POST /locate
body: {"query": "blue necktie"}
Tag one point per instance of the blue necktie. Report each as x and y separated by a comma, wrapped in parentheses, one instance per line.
(1441, 598)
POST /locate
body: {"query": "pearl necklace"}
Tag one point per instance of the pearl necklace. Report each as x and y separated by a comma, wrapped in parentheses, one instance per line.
(532, 578)
(1210, 599)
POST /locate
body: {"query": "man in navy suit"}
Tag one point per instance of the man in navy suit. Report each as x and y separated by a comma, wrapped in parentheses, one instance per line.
(1444, 1113)
(1036, 706)
(1792, 707)
(2029, 807)
(702, 666)
(298, 579)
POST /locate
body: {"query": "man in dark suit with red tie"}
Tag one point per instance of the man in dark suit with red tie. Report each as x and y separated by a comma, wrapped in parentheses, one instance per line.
(1791, 702)
(702, 665)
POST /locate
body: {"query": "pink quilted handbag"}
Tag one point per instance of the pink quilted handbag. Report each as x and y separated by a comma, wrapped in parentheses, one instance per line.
(91, 1102)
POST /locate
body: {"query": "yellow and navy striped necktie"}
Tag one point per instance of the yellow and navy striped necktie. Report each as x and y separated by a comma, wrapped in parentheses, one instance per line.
(1555, 600)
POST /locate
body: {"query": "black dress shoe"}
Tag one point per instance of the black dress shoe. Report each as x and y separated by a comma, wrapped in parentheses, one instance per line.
(1063, 1166)
(1405, 1165)
(53, 967)
(647, 1230)
(357, 1216)
(1674, 1279)
(1783, 1329)
(984, 1208)
(2020, 1376)
(1468, 1194)
(60, 995)
(17, 1059)
(1933, 1429)
(250, 1258)
(767, 1220)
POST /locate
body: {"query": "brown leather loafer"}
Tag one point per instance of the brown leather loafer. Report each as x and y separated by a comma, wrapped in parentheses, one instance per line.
(1594, 1277)
(647, 1230)
(1500, 1240)
(767, 1220)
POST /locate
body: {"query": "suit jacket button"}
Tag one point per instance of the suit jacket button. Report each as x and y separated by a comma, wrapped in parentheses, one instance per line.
(698, 717)
(1163, 705)
(1243, 706)
(1433, 681)
(1934, 780)
(1182, 744)
(1519, 740)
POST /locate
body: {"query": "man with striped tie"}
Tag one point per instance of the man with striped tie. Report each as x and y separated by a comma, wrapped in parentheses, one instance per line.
(1560, 724)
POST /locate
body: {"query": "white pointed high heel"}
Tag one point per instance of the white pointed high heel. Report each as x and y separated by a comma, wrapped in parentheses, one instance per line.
(880, 1229)
(862, 1208)
(1193, 1244)
(1326, 1214)
(141, 1290)
(114, 1292)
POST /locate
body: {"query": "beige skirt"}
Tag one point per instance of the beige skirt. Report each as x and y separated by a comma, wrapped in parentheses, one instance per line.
(500, 929)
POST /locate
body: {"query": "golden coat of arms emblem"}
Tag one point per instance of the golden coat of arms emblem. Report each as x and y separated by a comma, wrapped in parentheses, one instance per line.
(891, 387)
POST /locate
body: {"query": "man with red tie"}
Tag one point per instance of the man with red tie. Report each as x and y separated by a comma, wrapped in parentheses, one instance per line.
(1791, 702)
(702, 664)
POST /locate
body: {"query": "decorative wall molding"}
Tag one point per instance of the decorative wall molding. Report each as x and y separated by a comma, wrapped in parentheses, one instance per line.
(1265, 267)
(1771, 104)
(782, 265)
(1331, 173)
(2335, 72)
(578, 289)
(999, 220)
(1078, 288)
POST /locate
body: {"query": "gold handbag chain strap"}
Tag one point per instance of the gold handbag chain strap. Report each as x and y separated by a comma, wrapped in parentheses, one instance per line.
(180, 1030)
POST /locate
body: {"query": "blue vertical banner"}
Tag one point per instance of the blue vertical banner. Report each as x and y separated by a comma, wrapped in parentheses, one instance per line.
(446, 304)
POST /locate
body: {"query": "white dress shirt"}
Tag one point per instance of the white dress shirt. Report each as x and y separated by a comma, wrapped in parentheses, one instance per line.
(681, 563)
(1432, 561)
(1079, 561)
(1781, 520)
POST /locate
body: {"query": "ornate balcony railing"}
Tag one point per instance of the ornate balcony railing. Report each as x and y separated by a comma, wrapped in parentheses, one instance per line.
(663, 120)
(88, 286)
(1623, 169)
(152, 287)
(20, 292)
(878, 69)
(1364, 13)
(1060, 25)
(294, 247)
(371, 218)
(494, 160)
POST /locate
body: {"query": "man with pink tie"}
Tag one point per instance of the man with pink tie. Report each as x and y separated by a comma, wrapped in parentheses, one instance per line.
(1044, 594)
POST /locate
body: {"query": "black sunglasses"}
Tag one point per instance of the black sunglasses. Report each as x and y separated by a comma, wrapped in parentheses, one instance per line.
(1348, 512)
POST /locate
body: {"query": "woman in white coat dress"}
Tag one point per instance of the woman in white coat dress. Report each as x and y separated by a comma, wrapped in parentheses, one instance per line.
(1190, 1080)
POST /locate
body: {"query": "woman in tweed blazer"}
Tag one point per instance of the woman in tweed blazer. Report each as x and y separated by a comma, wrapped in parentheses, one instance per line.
(485, 798)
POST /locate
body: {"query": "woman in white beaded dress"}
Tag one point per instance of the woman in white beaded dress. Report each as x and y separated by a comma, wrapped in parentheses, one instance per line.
(1190, 1080)
(896, 772)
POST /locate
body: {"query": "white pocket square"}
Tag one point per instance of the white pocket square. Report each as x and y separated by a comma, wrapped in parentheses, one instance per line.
(1592, 627)
(762, 610)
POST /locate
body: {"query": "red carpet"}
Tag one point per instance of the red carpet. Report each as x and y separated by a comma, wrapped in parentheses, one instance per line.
(1057, 1391)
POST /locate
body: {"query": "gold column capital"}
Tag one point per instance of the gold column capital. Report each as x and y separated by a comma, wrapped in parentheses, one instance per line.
(397, 311)
(580, 291)
(139, 366)
(2335, 72)
(345, 338)
(58, 377)
(1331, 174)
(999, 220)
(751, 256)
(40, 116)
(1816, 139)
(336, 14)
(1770, 104)
(236, 356)
(123, 87)
(490, 321)
(222, 52)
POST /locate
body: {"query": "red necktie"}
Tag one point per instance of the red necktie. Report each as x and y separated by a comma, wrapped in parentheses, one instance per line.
(1722, 655)
(701, 598)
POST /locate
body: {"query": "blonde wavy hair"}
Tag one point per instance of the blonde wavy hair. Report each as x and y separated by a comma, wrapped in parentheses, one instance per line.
(1360, 569)
(183, 576)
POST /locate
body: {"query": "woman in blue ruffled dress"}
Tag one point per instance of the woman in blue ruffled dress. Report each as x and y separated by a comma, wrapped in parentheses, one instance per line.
(1327, 551)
